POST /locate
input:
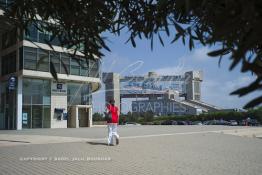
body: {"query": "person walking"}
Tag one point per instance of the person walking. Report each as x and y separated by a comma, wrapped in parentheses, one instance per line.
(112, 122)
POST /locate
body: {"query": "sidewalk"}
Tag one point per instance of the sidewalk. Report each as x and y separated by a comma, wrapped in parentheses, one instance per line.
(144, 150)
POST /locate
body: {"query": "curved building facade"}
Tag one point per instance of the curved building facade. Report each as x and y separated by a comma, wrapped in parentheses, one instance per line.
(29, 95)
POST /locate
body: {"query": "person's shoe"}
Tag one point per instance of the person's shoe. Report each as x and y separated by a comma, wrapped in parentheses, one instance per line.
(117, 141)
(110, 144)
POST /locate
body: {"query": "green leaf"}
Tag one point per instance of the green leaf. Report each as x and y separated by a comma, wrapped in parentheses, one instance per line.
(152, 42)
(65, 67)
(183, 39)
(104, 45)
(219, 52)
(255, 102)
(176, 38)
(191, 43)
(49, 44)
(41, 60)
(179, 28)
(160, 39)
(250, 88)
(53, 71)
(199, 35)
(133, 41)
(234, 63)
(166, 29)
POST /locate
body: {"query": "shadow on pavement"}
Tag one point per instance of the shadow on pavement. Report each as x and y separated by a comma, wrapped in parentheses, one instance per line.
(97, 143)
(14, 141)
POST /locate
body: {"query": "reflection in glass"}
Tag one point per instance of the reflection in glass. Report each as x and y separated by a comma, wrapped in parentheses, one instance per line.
(36, 103)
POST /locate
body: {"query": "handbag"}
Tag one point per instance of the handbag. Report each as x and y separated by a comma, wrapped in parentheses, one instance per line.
(108, 117)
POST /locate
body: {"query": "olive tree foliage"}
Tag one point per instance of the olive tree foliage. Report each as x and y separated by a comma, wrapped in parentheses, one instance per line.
(234, 26)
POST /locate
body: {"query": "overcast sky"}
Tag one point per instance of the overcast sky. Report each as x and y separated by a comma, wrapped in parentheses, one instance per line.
(173, 59)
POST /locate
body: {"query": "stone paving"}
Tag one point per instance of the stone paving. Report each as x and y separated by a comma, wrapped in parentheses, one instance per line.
(157, 150)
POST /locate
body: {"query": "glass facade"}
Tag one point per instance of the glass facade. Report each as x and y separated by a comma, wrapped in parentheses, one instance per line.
(56, 60)
(33, 34)
(8, 63)
(40, 60)
(79, 94)
(2, 104)
(75, 67)
(5, 3)
(36, 93)
(30, 58)
(9, 38)
(94, 67)
(62, 62)
(65, 64)
(43, 60)
(7, 107)
(36, 103)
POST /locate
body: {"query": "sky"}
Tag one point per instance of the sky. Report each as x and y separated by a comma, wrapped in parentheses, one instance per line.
(173, 59)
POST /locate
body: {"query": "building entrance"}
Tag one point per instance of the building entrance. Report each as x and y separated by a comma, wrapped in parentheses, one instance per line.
(7, 108)
(80, 116)
(10, 110)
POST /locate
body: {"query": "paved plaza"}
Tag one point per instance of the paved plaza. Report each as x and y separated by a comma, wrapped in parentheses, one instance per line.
(185, 150)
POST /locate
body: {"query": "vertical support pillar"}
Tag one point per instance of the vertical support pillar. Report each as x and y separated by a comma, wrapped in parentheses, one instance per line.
(19, 112)
(19, 94)
(90, 117)
(112, 87)
(120, 105)
(193, 84)
(77, 119)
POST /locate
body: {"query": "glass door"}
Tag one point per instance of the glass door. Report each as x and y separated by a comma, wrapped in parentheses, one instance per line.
(32, 116)
(36, 103)
(26, 116)
(10, 110)
(37, 115)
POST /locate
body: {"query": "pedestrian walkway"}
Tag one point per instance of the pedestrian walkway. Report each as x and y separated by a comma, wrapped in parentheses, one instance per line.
(185, 150)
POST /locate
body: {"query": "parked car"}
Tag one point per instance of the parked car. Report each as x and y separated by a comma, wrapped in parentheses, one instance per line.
(233, 123)
(189, 122)
(206, 122)
(197, 123)
(182, 123)
(211, 122)
(253, 122)
(216, 122)
(243, 122)
(249, 122)
(174, 122)
(223, 122)
(132, 124)
(169, 122)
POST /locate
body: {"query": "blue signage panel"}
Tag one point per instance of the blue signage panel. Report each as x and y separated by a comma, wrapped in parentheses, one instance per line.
(59, 86)
(12, 83)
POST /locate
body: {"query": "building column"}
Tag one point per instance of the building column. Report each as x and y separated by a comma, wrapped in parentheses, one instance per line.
(76, 118)
(90, 117)
(19, 105)
(112, 87)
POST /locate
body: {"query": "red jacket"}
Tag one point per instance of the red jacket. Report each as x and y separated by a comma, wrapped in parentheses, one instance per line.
(114, 112)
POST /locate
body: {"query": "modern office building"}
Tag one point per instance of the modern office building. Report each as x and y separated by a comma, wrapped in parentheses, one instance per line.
(29, 95)
(160, 94)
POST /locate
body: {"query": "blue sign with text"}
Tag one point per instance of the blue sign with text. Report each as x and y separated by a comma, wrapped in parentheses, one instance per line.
(12, 83)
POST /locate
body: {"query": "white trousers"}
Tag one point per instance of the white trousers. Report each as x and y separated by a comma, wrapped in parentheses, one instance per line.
(112, 132)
